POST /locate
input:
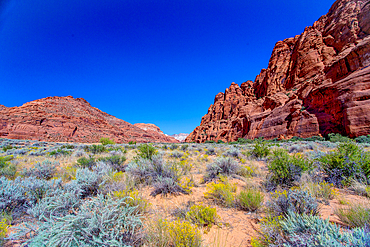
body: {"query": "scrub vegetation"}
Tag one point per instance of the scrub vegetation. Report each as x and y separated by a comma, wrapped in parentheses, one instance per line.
(245, 193)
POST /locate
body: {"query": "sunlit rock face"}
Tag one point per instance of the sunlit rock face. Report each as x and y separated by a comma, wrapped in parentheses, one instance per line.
(66, 119)
(316, 83)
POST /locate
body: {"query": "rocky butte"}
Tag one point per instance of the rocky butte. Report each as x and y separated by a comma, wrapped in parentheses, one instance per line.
(66, 119)
(316, 83)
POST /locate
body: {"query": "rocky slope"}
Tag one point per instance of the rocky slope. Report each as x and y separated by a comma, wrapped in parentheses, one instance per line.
(154, 130)
(315, 83)
(71, 120)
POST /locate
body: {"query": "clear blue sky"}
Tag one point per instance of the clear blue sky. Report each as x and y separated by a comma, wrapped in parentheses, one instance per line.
(143, 61)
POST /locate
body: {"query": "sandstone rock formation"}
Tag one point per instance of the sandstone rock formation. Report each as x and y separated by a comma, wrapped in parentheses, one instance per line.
(316, 83)
(154, 130)
(66, 119)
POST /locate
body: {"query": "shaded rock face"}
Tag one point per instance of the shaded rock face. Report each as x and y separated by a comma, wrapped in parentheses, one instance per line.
(315, 84)
(155, 130)
(66, 119)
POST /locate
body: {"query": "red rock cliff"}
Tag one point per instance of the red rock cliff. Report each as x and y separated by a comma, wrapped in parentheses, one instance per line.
(315, 83)
(65, 119)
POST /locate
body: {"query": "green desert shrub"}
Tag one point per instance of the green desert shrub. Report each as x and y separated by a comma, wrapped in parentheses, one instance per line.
(106, 141)
(84, 162)
(244, 141)
(146, 151)
(336, 137)
(260, 149)
(348, 162)
(250, 199)
(363, 139)
(7, 169)
(95, 149)
(285, 170)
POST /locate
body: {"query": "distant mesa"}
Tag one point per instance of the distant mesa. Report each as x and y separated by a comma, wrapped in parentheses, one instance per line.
(180, 137)
(68, 119)
(316, 83)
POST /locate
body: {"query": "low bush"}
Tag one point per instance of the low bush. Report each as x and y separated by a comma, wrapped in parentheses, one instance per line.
(146, 151)
(133, 199)
(176, 154)
(348, 162)
(232, 152)
(285, 170)
(106, 141)
(84, 162)
(308, 230)
(223, 193)
(363, 139)
(148, 171)
(7, 169)
(4, 225)
(210, 151)
(95, 149)
(173, 147)
(115, 162)
(167, 185)
(322, 190)
(7, 147)
(294, 200)
(182, 233)
(247, 171)
(261, 149)
(221, 166)
(16, 196)
(184, 147)
(336, 137)
(59, 152)
(43, 170)
(58, 204)
(202, 216)
(250, 200)
(87, 182)
(101, 221)
(244, 141)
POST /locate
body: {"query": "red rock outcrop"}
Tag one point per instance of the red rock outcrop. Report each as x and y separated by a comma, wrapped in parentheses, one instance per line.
(154, 130)
(316, 83)
(66, 119)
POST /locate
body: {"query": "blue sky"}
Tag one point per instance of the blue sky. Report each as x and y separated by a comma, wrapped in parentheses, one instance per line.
(142, 61)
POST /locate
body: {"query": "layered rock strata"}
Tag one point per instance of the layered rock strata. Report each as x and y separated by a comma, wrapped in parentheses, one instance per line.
(316, 83)
(66, 119)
